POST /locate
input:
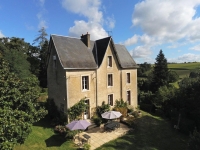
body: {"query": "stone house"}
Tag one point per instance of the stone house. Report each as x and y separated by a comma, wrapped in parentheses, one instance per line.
(94, 70)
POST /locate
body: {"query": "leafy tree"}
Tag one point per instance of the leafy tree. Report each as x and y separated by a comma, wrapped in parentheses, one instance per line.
(173, 76)
(33, 59)
(18, 107)
(14, 51)
(163, 96)
(143, 69)
(194, 74)
(41, 37)
(160, 72)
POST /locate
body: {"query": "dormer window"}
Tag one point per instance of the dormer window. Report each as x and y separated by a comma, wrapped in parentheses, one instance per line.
(109, 61)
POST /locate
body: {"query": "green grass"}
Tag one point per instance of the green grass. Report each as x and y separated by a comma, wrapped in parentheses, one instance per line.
(43, 137)
(151, 133)
(184, 69)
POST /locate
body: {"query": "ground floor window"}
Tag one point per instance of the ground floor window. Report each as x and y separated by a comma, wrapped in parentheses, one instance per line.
(128, 99)
(110, 99)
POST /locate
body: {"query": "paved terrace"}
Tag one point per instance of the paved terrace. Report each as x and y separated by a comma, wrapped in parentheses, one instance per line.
(99, 137)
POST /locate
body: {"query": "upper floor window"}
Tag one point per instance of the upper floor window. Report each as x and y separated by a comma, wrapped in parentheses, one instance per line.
(110, 99)
(109, 61)
(128, 99)
(110, 80)
(128, 78)
(85, 82)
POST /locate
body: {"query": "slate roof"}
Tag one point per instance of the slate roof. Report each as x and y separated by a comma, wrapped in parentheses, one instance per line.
(124, 57)
(74, 54)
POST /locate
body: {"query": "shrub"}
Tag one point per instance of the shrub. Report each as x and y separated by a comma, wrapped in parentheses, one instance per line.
(86, 146)
(70, 133)
(97, 120)
(120, 103)
(60, 129)
(194, 141)
(135, 114)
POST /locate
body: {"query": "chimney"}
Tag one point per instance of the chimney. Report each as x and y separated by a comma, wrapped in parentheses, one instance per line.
(86, 39)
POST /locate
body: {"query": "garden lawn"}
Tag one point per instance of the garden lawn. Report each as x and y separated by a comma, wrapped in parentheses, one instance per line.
(43, 137)
(150, 133)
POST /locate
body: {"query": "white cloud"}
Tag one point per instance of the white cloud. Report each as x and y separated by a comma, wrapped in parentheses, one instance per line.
(196, 48)
(94, 24)
(185, 58)
(168, 20)
(87, 8)
(141, 52)
(131, 41)
(164, 22)
(94, 29)
(1, 34)
(110, 22)
(41, 2)
(40, 15)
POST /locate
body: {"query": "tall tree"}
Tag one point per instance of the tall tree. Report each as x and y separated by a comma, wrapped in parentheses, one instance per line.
(160, 72)
(18, 107)
(41, 38)
(43, 69)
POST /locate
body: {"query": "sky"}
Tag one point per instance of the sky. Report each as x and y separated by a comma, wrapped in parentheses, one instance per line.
(143, 26)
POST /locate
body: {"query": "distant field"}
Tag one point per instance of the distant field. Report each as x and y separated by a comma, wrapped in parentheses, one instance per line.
(184, 69)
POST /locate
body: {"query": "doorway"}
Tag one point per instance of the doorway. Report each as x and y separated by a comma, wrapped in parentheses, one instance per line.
(87, 111)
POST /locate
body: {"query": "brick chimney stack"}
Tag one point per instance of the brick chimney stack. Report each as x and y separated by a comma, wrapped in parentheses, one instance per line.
(86, 39)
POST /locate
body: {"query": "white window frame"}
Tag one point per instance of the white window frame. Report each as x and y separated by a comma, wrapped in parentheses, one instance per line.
(108, 80)
(127, 78)
(109, 61)
(83, 87)
(109, 102)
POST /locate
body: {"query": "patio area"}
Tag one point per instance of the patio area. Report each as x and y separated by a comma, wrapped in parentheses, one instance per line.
(98, 136)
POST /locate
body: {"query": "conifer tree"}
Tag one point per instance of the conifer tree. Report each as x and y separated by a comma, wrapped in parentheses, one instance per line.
(160, 73)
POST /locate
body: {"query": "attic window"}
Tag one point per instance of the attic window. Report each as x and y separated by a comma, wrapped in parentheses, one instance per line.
(109, 61)
(128, 78)
(54, 61)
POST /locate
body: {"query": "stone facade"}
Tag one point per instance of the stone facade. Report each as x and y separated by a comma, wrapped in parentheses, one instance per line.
(66, 86)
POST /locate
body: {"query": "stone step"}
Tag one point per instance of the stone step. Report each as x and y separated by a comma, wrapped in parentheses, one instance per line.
(92, 126)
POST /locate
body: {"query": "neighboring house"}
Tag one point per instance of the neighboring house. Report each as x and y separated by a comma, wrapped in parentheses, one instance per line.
(95, 70)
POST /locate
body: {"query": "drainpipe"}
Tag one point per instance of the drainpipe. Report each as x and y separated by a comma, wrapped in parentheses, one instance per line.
(121, 84)
(67, 96)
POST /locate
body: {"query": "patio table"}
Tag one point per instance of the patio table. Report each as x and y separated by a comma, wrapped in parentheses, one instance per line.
(112, 125)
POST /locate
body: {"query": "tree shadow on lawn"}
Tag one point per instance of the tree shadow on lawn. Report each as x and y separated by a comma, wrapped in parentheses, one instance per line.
(55, 140)
(45, 123)
(150, 133)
